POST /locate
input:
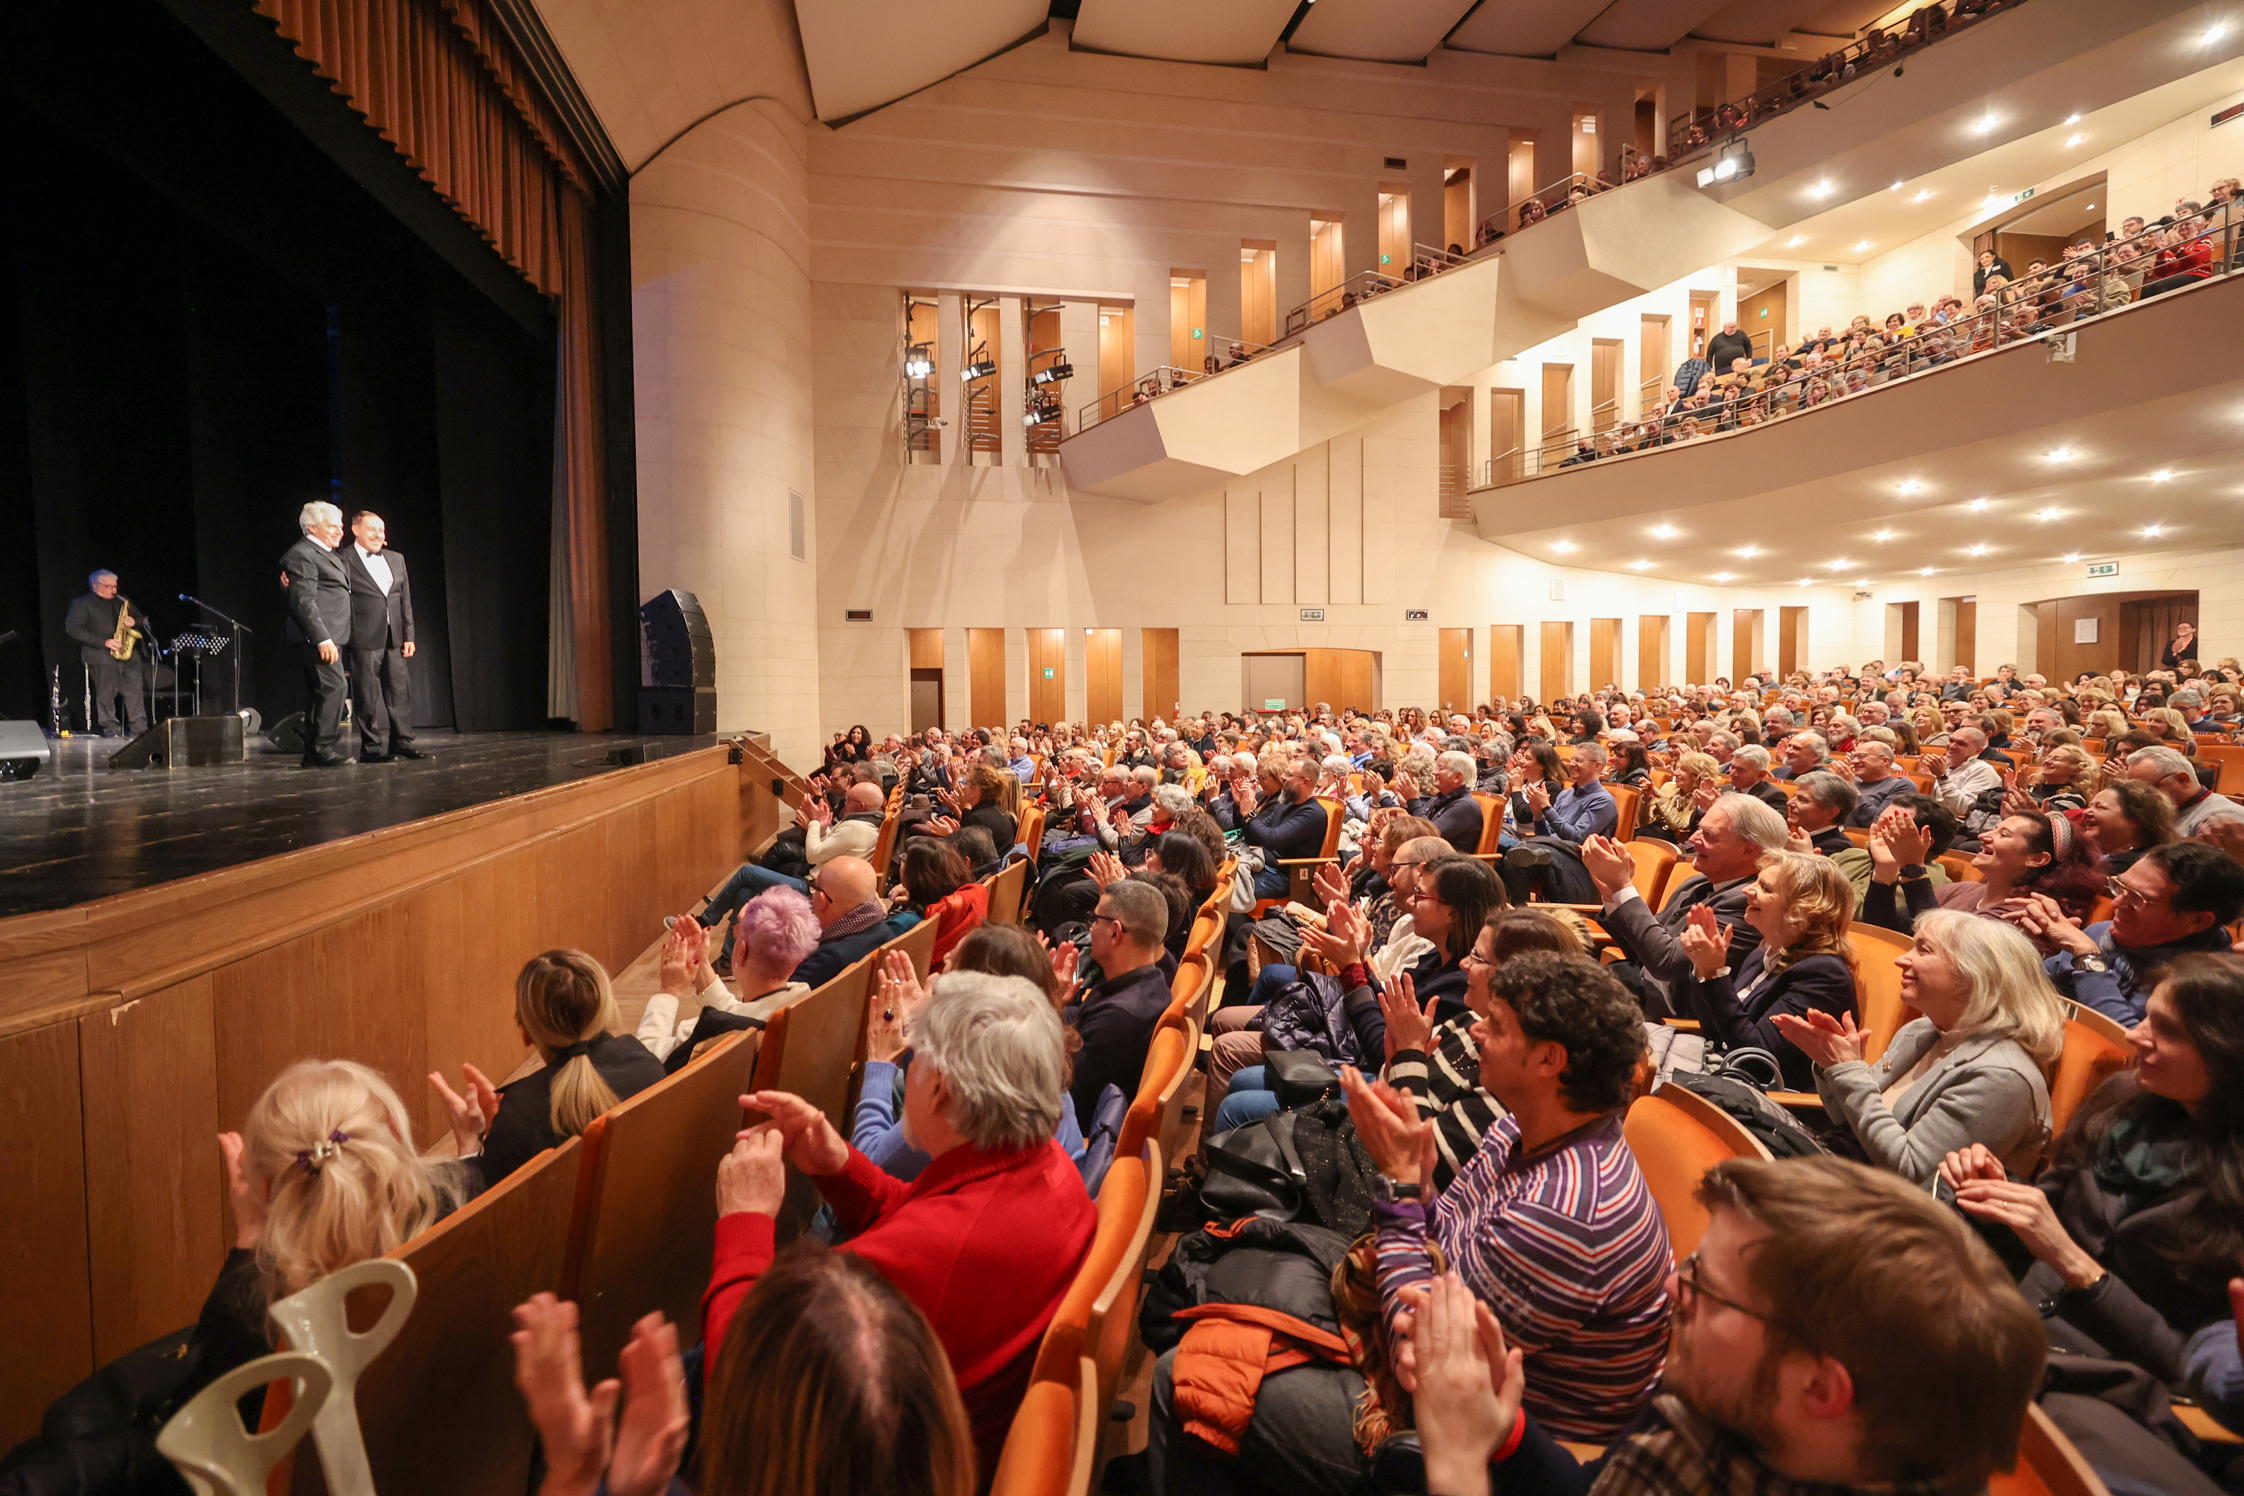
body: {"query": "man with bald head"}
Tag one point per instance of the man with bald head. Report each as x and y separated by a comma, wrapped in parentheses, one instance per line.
(852, 920)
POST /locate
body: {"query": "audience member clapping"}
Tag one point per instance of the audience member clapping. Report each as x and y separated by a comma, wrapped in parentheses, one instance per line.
(777, 931)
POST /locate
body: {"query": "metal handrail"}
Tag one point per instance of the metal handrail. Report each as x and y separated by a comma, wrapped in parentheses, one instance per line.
(2084, 289)
(1343, 297)
(1165, 378)
(1546, 201)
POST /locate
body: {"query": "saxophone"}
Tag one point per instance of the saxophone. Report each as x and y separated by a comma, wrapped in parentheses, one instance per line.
(122, 641)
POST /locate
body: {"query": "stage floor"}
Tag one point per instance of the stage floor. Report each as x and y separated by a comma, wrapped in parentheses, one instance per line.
(82, 830)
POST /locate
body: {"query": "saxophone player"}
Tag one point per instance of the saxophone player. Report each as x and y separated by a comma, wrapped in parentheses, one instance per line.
(111, 642)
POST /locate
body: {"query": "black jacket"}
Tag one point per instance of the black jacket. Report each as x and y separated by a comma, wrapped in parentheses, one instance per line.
(1116, 1020)
(523, 1127)
(318, 595)
(378, 621)
(92, 622)
(1456, 815)
(1725, 347)
(1821, 981)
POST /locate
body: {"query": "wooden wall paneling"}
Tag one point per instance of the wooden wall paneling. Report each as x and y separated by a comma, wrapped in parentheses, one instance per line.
(1605, 652)
(45, 1289)
(472, 935)
(1745, 643)
(1698, 648)
(923, 649)
(1965, 648)
(1507, 648)
(43, 968)
(156, 1221)
(985, 668)
(1158, 671)
(1909, 631)
(1651, 647)
(1047, 676)
(1359, 680)
(1558, 661)
(1792, 638)
(1321, 677)
(1457, 670)
(1102, 675)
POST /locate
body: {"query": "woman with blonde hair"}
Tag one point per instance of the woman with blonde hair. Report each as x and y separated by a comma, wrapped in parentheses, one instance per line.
(2106, 723)
(2065, 779)
(1802, 905)
(1971, 1070)
(2172, 726)
(1928, 724)
(565, 1009)
(1675, 809)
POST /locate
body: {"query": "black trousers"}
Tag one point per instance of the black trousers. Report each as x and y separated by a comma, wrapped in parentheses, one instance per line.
(323, 712)
(113, 679)
(381, 700)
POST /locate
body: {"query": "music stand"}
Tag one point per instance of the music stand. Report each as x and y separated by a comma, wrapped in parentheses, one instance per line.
(199, 644)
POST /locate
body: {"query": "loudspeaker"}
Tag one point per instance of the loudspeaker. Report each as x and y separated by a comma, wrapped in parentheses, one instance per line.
(185, 743)
(676, 647)
(677, 709)
(288, 733)
(23, 750)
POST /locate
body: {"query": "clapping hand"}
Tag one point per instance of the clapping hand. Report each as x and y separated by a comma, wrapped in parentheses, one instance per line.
(1538, 797)
(1609, 863)
(1409, 1026)
(583, 1444)
(1704, 943)
(896, 995)
(941, 825)
(2043, 918)
(248, 1205)
(1706, 794)
(1344, 939)
(1976, 1161)
(1825, 1040)
(683, 950)
(816, 811)
(811, 1143)
(1332, 884)
(1466, 1385)
(1399, 1140)
(469, 1114)
(1106, 869)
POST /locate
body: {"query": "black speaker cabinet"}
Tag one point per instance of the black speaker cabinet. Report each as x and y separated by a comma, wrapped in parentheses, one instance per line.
(23, 750)
(677, 709)
(676, 646)
(185, 743)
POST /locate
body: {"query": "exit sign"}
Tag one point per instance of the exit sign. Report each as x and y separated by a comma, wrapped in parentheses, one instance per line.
(1312, 615)
(2102, 569)
(1414, 615)
(1047, 672)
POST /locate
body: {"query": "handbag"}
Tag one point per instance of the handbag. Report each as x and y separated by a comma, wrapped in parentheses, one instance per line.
(1254, 1169)
(1298, 1076)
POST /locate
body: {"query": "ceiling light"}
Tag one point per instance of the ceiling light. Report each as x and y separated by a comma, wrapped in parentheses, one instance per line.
(2212, 33)
(1862, 581)
(2091, 208)
(2070, 556)
(1924, 571)
(1882, 535)
(1665, 532)
(1863, 247)
(2046, 515)
(1823, 189)
(1896, 187)
(2072, 119)
(1910, 486)
(1746, 552)
(1805, 582)
(2151, 532)
(2070, 142)
(1839, 565)
(1724, 576)
(1985, 124)
(1977, 550)
(1795, 241)
(2163, 475)
(2062, 454)
(1921, 195)
(1978, 504)
(1640, 566)
(1563, 547)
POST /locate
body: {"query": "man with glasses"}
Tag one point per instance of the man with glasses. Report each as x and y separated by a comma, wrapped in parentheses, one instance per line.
(1116, 1017)
(1836, 1330)
(852, 921)
(2174, 900)
(1877, 783)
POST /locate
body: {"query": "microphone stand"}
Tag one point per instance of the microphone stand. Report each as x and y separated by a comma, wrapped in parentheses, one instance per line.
(237, 628)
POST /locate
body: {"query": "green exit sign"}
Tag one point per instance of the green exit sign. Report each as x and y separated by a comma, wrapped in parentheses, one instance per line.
(1196, 333)
(1386, 259)
(1047, 672)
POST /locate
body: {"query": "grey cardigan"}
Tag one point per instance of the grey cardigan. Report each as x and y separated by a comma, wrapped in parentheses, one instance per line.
(1986, 1091)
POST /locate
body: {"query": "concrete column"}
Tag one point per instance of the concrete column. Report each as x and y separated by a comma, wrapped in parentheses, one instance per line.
(1292, 268)
(1012, 377)
(1360, 214)
(1079, 335)
(1554, 144)
(1426, 212)
(950, 392)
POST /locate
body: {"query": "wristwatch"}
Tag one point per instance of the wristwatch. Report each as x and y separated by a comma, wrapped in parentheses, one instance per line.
(1912, 870)
(1390, 1192)
(2091, 962)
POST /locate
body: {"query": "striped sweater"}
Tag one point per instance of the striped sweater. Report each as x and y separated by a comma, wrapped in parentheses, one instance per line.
(1446, 1086)
(1569, 1251)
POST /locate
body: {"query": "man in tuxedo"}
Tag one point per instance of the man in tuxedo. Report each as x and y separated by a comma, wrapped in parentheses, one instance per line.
(93, 621)
(381, 642)
(318, 594)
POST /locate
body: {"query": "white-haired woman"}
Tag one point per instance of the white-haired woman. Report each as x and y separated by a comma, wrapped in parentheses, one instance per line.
(987, 1240)
(1969, 1071)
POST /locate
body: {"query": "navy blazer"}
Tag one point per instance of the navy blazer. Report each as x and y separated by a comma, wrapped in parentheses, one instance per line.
(1820, 981)
(1287, 831)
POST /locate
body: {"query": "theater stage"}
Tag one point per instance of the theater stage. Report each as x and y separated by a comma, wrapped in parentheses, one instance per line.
(81, 830)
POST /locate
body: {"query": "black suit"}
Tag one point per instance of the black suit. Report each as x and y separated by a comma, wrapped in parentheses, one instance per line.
(92, 622)
(319, 612)
(381, 625)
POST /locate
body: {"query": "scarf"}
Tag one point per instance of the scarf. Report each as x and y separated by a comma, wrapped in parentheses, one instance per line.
(863, 917)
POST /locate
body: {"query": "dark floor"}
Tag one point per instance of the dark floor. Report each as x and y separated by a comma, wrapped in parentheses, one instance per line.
(81, 830)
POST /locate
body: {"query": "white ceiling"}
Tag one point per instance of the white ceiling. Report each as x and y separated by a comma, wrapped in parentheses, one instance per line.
(1377, 30)
(1232, 31)
(866, 53)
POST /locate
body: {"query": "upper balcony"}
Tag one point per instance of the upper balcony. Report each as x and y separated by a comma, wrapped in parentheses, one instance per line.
(1972, 92)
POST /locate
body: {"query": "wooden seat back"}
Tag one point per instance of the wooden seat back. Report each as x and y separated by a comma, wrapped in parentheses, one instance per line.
(1008, 889)
(1052, 1448)
(1491, 823)
(646, 1203)
(809, 1046)
(1628, 807)
(1656, 863)
(2096, 1047)
(1677, 1136)
(1879, 1010)
(2048, 1464)
(1167, 1060)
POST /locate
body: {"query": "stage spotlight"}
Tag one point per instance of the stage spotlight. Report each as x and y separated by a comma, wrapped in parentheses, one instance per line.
(979, 369)
(1734, 163)
(1054, 373)
(1043, 415)
(917, 363)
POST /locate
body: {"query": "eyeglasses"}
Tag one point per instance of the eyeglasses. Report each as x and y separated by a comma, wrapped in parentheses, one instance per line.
(1475, 958)
(1110, 919)
(1688, 1287)
(2122, 894)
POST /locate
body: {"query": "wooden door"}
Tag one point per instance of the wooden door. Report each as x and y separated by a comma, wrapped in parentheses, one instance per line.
(1359, 680)
(1605, 652)
(1651, 651)
(1507, 646)
(1605, 384)
(1558, 401)
(1745, 642)
(1047, 675)
(1457, 670)
(1159, 670)
(1652, 364)
(1507, 435)
(1698, 648)
(1102, 676)
(985, 676)
(1963, 647)
(1558, 663)
(1792, 638)
(1765, 317)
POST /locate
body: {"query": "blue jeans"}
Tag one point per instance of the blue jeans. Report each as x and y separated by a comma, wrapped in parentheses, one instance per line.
(1248, 1100)
(745, 883)
(1272, 883)
(1268, 983)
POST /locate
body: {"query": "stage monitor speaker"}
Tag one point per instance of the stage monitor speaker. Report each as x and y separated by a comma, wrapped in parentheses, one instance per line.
(23, 750)
(185, 743)
(677, 647)
(677, 709)
(288, 733)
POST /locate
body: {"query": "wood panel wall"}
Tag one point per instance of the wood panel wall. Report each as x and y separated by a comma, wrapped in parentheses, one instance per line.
(1558, 662)
(1158, 671)
(985, 675)
(1745, 642)
(1792, 637)
(1341, 677)
(1651, 649)
(1963, 649)
(1605, 652)
(924, 649)
(135, 1028)
(1507, 651)
(1047, 693)
(1698, 647)
(1102, 675)
(1456, 670)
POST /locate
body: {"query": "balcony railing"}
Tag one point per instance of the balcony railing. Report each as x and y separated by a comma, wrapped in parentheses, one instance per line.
(2070, 294)
(1166, 379)
(1351, 292)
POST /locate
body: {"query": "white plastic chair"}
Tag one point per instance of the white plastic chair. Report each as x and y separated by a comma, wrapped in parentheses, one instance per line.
(216, 1454)
(316, 1320)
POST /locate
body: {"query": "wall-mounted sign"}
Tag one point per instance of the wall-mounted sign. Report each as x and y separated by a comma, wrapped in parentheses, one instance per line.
(1197, 334)
(2102, 569)
(1414, 615)
(1312, 615)
(860, 615)
(1047, 672)
(2223, 116)
(2084, 630)
(1386, 259)
(1273, 703)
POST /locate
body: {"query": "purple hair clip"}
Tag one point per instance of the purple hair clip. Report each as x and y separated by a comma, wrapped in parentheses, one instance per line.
(312, 1159)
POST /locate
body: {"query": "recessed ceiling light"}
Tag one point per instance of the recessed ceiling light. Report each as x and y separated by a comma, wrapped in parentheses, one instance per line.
(1640, 565)
(1909, 486)
(1839, 565)
(2151, 532)
(1978, 504)
(1746, 552)
(1795, 241)
(1823, 188)
(1563, 547)
(2212, 34)
(2062, 454)
(1862, 247)
(1896, 187)
(1977, 550)
(1924, 571)
(2070, 556)
(2046, 515)
(1724, 576)
(2070, 142)
(1862, 581)
(1882, 535)
(2163, 475)
(1922, 194)
(1805, 582)
(1665, 532)
(2072, 119)
(1985, 124)
(2091, 207)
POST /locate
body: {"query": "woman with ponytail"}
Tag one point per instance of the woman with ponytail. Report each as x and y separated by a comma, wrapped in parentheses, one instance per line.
(564, 1007)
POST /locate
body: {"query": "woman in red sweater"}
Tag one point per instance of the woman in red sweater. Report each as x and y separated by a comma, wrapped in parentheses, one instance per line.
(986, 1241)
(2184, 260)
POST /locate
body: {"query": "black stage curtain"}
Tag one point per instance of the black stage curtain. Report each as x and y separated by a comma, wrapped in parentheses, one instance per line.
(203, 323)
